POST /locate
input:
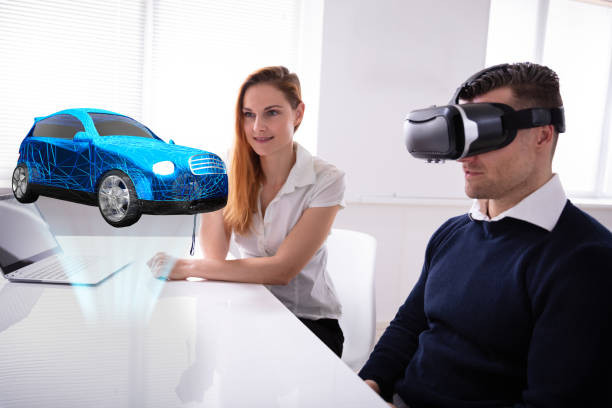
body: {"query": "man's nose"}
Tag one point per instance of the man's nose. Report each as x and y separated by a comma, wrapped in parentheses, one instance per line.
(468, 159)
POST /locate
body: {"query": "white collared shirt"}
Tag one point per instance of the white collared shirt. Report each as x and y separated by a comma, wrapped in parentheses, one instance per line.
(543, 207)
(312, 182)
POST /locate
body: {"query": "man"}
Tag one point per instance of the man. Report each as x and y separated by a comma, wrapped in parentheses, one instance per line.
(513, 306)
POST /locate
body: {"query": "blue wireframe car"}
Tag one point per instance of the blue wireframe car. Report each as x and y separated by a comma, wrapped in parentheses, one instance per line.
(102, 158)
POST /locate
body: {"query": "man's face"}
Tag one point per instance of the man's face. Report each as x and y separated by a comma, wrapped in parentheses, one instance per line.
(506, 173)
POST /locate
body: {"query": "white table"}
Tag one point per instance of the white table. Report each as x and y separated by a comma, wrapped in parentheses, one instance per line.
(135, 341)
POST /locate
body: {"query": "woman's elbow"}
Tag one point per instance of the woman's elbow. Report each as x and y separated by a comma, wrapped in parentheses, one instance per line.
(286, 276)
(278, 281)
(215, 253)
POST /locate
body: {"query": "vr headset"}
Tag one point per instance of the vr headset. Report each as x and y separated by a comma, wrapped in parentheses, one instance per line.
(456, 130)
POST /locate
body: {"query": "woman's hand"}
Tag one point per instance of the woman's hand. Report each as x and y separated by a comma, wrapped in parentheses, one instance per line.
(306, 237)
(164, 266)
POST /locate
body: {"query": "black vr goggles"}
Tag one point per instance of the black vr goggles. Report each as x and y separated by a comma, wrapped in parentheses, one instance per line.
(458, 130)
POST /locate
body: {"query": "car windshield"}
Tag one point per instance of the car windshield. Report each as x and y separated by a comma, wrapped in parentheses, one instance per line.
(115, 125)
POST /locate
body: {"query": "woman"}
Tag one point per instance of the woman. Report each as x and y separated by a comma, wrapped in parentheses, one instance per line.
(281, 206)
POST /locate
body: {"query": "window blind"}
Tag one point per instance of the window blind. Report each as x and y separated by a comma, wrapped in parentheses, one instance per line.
(175, 65)
(201, 51)
(66, 54)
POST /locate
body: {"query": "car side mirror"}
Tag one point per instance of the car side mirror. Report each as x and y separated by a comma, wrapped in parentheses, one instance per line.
(80, 137)
(171, 141)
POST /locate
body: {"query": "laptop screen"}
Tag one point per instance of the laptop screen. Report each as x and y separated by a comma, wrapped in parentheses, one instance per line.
(25, 237)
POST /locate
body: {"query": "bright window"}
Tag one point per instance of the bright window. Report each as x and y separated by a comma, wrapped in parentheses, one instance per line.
(174, 65)
(63, 54)
(574, 38)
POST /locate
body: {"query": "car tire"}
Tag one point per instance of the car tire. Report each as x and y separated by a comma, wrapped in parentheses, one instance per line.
(117, 199)
(22, 189)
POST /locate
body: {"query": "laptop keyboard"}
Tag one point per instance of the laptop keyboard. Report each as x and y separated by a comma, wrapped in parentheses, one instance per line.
(57, 267)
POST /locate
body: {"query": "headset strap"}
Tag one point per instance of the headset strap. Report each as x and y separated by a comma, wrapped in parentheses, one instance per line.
(534, 117)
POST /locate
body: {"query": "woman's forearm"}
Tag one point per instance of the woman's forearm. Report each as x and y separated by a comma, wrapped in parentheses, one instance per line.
(214, 235)
(292, 255)
(266, 270)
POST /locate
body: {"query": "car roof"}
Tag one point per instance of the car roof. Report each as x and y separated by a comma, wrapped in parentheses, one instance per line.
(86, 120)
(80, 113)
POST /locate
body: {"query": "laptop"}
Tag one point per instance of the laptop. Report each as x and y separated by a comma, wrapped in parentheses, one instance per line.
(29, 251)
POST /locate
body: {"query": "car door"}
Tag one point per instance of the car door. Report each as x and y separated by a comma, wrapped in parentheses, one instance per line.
(63, 162)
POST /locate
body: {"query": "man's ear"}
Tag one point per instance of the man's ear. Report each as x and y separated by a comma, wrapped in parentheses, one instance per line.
(545, 135)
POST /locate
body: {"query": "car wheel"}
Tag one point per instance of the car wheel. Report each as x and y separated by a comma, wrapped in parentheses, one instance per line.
(22, 189)
(117, 199)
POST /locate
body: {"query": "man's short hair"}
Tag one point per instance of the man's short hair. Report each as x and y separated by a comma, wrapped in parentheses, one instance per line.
(533, 85)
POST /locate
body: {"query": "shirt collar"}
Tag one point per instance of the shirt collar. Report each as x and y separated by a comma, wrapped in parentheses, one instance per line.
(543, 207)
(302, 173)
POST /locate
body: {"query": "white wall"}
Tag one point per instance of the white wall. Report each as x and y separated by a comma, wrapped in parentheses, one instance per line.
(380, 60)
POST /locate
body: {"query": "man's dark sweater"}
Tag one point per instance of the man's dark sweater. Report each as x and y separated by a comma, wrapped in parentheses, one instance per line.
(505, 313)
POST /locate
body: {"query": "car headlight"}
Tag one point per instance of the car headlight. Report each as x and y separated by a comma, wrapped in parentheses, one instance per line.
(163, 168)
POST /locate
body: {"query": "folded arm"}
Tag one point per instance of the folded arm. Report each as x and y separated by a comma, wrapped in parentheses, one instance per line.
(294, 253)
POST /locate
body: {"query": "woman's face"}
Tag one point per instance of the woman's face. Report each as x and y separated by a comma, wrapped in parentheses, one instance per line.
(269, 119)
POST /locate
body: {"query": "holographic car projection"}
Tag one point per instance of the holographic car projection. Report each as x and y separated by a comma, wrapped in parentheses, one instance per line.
(102, 158)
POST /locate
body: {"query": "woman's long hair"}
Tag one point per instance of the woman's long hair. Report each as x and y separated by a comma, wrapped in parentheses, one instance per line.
(246, 175)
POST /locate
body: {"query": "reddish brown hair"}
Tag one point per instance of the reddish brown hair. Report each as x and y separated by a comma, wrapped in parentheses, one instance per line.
(245, 173)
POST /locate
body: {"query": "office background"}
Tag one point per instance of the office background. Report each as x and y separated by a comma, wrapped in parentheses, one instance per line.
(177, 65)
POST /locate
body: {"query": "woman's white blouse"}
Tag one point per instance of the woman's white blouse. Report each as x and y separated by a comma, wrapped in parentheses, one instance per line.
(312, 182)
